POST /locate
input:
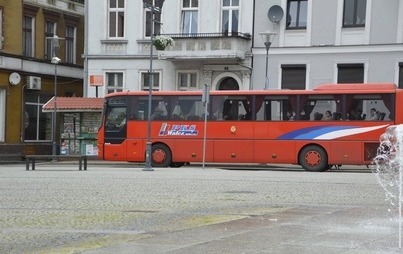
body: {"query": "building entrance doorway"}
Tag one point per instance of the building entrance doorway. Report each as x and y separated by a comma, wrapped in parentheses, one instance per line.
(228, 84)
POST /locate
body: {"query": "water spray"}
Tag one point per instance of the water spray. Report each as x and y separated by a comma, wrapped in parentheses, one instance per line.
(389, 168)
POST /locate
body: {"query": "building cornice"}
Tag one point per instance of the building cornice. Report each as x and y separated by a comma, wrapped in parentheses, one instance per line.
(331, 49)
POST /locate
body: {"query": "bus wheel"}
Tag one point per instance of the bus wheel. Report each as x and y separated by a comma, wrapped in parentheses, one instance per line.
(313, 158)
(160, 156)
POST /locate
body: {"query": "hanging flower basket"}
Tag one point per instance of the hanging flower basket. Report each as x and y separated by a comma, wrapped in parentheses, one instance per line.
(161, 42)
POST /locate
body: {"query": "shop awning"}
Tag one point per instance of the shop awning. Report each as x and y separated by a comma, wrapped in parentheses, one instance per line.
(74, 104)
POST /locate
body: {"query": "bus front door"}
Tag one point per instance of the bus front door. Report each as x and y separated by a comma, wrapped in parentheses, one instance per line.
(115, 134)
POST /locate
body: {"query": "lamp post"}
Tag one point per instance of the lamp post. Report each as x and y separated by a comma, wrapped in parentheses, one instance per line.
(55, 43)
(153, 9)
(268, 38)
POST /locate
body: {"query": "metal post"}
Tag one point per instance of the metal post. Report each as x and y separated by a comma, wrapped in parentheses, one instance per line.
(148, 165)
(268, 38)
(266, 83)
(54, 145)
(55, 40)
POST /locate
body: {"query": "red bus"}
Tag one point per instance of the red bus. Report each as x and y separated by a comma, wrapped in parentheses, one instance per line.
(333, 124)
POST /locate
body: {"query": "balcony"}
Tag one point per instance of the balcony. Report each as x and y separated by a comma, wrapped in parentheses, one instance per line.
(74, 6)
(208, 46)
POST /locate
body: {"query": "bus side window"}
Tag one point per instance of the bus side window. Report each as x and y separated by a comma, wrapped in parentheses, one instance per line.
(230, 110)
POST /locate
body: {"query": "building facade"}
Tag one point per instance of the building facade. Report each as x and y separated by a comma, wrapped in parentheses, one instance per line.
(219, 43)
(28, 76)
(212, 45)
(329, 41)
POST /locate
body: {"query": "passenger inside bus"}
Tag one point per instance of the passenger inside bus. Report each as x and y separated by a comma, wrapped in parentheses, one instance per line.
(360, 115)
(303, 116)
(373, 115)
(337, 116)
(328, 116)
(317, 116)
(158, 114)
(290, 116)
(352, 115)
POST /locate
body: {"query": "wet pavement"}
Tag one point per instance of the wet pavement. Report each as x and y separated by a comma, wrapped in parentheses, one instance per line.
(119, 208)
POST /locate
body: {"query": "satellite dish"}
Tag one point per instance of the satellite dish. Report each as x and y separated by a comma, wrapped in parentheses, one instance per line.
(275, 13)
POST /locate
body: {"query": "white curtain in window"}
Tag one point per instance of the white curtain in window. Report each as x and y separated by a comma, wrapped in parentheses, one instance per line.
(189, 22)
(234, 23)
(225, 21)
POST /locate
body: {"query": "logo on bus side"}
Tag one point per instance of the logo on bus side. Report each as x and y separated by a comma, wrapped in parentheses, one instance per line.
(178, 130)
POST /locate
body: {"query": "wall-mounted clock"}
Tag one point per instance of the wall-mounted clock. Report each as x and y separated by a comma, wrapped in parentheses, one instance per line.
(14, 78)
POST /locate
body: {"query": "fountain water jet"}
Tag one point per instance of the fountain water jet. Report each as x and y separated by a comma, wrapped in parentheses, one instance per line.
(389, 168)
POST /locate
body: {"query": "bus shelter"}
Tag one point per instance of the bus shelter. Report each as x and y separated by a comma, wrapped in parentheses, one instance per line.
(78, 119)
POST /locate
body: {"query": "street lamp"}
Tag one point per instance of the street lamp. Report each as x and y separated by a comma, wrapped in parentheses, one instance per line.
(268, 38)
(55, 44)
(153, 9)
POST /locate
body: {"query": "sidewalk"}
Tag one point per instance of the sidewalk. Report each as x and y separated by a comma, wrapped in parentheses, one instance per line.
(302, 230)
(119, 208)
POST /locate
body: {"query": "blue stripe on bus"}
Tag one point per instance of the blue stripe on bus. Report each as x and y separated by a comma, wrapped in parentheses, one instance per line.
(313, 132)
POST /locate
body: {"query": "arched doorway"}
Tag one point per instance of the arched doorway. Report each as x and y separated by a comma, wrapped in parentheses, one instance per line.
(228, 83)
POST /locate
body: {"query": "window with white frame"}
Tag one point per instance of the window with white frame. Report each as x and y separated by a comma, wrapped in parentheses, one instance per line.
(28, 31)
(71, 44)
(230, 16)
(297, 14)
(37, 125)
(350, 73)
(354, 13)
(50, 31)
(293, 76)
(116, 18)
(187, 80)
(189, 16)
(114, 82)
(400, 80)
(157, 18)
(145, 81)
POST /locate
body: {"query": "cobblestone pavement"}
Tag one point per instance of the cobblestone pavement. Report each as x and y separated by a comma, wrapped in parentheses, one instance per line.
(118, 208)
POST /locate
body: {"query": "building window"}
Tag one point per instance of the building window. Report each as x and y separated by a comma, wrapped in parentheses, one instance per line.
(230, 16)
(157, 18)
(145, 79)
(350, 73)
(297, 14)
(1, 28)
(354, 13)
(28, 41)
(400, 75)
(2, 114)
(114, 82)
(38, 125)
(50, 31)
(187, 80)
(293, 76)
(189, 16)
(116, 18)
(70, 44)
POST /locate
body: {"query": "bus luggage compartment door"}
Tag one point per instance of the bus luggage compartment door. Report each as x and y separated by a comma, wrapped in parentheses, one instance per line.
(233, 151)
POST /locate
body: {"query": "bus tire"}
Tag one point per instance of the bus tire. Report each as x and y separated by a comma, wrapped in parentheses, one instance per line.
(313, 158)
(160, 156)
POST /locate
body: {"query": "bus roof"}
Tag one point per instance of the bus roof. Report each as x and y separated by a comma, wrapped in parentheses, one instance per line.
(366, 88)
(355, 87)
